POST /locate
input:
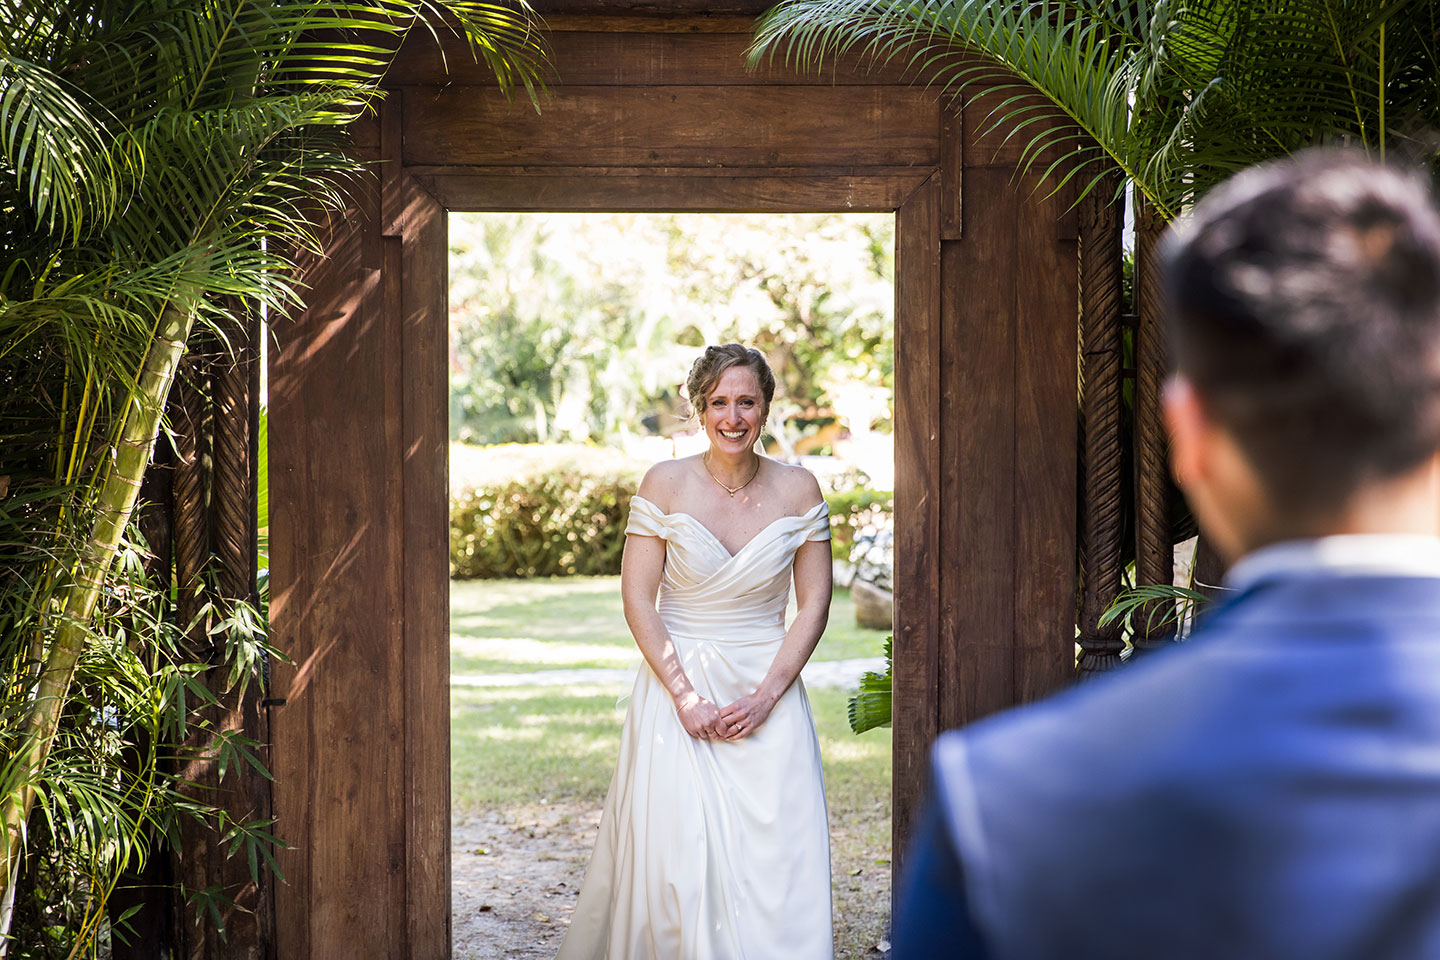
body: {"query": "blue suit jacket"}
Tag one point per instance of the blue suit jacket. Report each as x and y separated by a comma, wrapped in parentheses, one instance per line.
(1270, 789)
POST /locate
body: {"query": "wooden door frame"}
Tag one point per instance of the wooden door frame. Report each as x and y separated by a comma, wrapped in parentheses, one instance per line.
(984, 427)
(913, 197)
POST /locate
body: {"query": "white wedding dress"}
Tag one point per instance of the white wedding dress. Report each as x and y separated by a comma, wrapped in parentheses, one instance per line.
(713, 850)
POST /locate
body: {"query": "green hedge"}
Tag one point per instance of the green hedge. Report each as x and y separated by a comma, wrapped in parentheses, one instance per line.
(541, 511)
(556, 510)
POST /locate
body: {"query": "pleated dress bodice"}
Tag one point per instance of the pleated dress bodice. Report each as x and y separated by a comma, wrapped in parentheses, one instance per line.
(706, 591)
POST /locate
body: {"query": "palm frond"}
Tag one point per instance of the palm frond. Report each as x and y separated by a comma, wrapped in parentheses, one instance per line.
(56, 149)
(1177, 95)
(871, 705)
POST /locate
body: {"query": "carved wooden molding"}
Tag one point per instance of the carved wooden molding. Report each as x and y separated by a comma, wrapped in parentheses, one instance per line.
(1154, 555)
(1102, 457)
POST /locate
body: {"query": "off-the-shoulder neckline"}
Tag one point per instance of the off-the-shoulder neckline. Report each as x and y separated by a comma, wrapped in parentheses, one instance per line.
(696, 520)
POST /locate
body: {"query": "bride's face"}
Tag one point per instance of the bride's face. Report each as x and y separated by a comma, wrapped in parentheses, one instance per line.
(734, 411)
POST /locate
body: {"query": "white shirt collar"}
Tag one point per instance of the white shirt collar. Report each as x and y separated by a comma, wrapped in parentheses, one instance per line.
(1357, 554)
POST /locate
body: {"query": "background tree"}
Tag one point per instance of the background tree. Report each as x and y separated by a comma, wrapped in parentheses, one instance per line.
(583, 326)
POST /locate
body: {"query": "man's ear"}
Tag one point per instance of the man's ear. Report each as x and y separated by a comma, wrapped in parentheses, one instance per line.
(1188, 424)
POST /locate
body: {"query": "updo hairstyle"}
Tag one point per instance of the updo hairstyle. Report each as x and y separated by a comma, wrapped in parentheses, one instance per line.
(707, 369)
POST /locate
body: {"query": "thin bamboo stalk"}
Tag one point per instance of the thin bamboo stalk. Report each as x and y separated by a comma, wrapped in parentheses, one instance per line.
(117, 498)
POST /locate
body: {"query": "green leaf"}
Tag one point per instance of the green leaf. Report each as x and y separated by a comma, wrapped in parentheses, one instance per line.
(870, 705)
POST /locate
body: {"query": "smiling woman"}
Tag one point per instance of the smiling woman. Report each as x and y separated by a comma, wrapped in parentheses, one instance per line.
(714, 839)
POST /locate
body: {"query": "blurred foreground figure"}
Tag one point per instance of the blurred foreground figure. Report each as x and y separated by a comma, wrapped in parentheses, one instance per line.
(1271, 788)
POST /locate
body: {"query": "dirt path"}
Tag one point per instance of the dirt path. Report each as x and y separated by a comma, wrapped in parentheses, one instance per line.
(516, 877)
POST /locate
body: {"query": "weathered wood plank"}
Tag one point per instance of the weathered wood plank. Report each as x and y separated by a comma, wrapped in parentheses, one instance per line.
(976, 664)
(1046, 445)
(671, 192)
(588, 58)
(676, 126)
(420, 296)
(918, 503)
(952, 170)
(335, 475)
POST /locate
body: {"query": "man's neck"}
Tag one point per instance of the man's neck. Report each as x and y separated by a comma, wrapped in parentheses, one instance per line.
(1408, 504)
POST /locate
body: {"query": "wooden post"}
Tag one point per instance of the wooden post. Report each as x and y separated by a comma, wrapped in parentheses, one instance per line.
(1154, 554)
(1101, 456)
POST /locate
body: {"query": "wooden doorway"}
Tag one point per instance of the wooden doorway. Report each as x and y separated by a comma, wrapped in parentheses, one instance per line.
(655, 113)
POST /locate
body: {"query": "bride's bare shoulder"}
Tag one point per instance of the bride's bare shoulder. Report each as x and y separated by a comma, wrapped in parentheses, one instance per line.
(662, 483)
(800, 487)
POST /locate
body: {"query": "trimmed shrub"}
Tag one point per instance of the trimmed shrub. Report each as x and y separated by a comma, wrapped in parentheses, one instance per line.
(558, 510)
(540, 510)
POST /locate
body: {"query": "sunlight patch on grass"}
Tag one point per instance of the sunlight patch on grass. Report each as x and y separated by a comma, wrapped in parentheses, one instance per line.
(519, 626)
(526, 654)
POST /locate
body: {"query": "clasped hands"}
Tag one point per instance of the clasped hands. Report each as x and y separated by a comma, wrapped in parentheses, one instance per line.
(705, 721)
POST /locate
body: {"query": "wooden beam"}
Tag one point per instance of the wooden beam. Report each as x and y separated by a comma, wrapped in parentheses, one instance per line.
(952, 170)
(673, 193)
(918, 504)
(977, 626)
(336, 496)
(417, 295)
(675, 126)
(1046, 444)
(588, 59)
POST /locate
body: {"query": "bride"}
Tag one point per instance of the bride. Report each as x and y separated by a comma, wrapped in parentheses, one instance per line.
(714, 843)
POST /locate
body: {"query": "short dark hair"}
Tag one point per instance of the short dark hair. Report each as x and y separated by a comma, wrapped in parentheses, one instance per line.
(1305, 310)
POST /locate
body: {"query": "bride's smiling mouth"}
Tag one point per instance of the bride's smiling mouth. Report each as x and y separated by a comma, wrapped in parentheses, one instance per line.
(732, 434)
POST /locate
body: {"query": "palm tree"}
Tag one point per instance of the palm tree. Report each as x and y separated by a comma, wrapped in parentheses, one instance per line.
(161, 162)
(1170, 98)
(1176, 96)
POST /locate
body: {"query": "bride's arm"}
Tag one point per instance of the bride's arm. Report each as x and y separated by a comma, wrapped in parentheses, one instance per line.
(812, 596)
(640, 569)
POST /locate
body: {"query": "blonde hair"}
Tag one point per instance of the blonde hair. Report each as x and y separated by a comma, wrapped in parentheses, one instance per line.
(707, 369)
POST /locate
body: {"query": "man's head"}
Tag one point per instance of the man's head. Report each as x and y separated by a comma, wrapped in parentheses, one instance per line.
(1305, 324)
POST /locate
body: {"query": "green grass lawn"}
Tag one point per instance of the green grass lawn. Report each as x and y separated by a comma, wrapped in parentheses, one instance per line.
(517, 745)
(518, 626)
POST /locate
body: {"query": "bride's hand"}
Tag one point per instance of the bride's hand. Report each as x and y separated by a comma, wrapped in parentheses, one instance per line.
(747, 714)
(701, 718)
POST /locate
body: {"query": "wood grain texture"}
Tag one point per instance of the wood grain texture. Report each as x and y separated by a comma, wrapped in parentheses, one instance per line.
(952, 169)
(719, 190)
(675, 126)
(418, 294)
(918, 504)
(1046, 325)
(588, 58)
(979, 483)
(336, 546)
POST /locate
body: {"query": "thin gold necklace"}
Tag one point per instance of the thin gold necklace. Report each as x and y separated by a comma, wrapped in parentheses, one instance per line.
(729, 489)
